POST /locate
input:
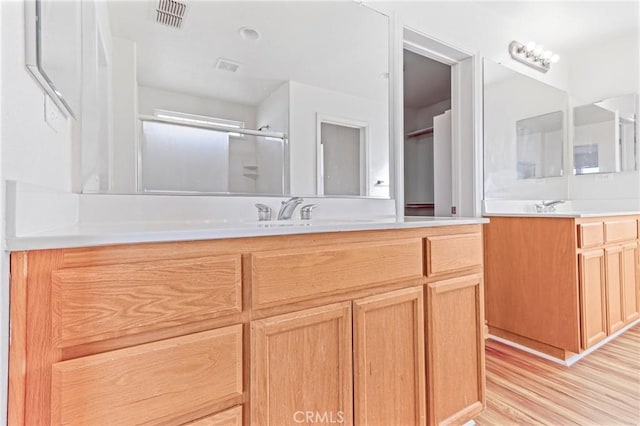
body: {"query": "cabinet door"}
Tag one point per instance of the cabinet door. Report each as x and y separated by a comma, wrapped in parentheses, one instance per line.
(455, 350)
(389, 359)
(301, 366)
(593, 297)
(614, 277)
(630, 282)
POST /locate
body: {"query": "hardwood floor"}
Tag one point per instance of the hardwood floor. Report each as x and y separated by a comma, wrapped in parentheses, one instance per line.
(601, 389)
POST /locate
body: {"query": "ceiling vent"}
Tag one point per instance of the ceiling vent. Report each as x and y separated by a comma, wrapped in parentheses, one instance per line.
(170, 13)
(227, 65)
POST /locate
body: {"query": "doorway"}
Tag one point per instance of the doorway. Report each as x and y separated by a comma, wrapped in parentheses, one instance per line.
(466, 122)
(427, 136)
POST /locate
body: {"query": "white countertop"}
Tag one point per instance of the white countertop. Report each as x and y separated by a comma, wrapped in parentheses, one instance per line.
(560, 214)
(96, 234)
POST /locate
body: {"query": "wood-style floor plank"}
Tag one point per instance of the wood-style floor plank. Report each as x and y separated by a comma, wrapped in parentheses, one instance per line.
(601, 389)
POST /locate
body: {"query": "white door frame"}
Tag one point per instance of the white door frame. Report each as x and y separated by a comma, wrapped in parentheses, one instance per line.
(466, 184)
(363, 126)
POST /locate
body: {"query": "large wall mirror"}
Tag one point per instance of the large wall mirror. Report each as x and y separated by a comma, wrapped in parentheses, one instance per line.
(52, 50)
(228, 98)
(605, 136)
(524, 132)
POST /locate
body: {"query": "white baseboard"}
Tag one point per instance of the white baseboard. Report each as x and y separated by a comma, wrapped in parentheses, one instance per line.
(571, 360)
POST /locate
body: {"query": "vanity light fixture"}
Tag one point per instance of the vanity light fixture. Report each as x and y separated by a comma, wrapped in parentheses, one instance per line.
(533, 55)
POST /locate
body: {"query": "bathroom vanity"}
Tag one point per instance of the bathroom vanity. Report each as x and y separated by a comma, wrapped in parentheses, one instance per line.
(382, 324)
(562, 283)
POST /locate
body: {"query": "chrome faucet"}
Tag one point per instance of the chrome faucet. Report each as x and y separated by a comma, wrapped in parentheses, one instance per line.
(305, 211)
(264, 212)
(288, 207)
(548, 206)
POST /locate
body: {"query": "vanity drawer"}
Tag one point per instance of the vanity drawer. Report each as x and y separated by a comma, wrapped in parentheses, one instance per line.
(230, 417)
(452, 253)
(620, 230)
(150, 383)
(284, 276)
(590, 235)
(101, 302)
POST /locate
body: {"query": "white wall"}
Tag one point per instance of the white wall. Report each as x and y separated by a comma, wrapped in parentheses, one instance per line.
(273, 111)
(608, 68)
(470, 27)
(30, 150)
(615, 72)
(151, 98)
(125, 112)
(306, 103)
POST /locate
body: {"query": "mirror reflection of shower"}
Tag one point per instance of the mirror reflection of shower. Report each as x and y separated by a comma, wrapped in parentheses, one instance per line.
(186, 153)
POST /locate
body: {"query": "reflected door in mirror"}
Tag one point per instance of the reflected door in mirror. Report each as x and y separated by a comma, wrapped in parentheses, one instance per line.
(342, 160)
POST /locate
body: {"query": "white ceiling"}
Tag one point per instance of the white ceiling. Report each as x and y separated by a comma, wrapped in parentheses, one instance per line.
(337, 45)
(340, 46)
(426, 81)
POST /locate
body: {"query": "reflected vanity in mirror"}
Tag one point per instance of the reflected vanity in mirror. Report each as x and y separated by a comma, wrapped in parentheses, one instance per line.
(226, 98)
(604, 136)
(524, 132)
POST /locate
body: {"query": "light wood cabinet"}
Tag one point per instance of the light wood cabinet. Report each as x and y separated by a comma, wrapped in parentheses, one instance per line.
(561, 285)
(331, 269)
(593, 297)
(230, 417)
(93, 303)
(372, 328)
(614, 279)
(455, 349)
(630, 282)
(301, 363)
(453, 253)
(156, 382)
(389, 359)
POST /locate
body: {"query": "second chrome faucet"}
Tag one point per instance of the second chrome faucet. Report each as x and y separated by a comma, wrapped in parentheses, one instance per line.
(287, 209)
(548, 206)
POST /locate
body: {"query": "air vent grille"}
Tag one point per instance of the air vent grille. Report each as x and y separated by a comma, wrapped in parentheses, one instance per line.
(170, 13)
(227, 65)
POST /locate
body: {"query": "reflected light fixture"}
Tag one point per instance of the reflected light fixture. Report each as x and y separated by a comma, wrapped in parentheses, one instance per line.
(533, 54)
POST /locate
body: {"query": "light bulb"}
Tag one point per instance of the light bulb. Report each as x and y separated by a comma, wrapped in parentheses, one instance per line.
(538, 50)
(555, 58)
(531, 45)
(547, 54)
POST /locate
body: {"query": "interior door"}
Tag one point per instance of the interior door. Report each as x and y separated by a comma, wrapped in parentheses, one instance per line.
(341, 160)
(442, 164)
